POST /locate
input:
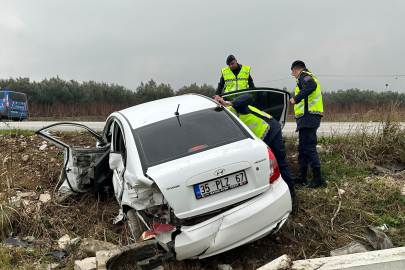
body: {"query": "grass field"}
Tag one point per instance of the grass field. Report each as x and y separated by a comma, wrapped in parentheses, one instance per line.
(370, 197)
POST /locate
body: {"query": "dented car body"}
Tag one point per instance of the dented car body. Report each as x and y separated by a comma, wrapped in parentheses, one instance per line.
(186, 171)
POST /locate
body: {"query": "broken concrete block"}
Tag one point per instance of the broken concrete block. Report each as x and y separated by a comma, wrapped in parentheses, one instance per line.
(91, 246)
(224, 267)
(112, 259)
(64, 242)
(86, 264)
(353, 247)
(158, 268)
(281, 263)
(44, 198)
(377, 238)
(25, 157)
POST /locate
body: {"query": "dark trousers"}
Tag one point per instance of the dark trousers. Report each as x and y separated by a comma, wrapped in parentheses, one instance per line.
(307, 153)
(275, 141)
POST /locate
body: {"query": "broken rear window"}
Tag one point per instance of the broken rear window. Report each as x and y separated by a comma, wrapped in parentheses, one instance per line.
(188, 134)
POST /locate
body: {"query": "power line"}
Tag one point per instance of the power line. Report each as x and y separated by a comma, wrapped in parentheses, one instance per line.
(343, 76)
(359, 75)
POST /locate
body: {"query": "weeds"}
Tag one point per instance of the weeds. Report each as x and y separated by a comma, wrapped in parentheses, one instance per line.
(369, 198)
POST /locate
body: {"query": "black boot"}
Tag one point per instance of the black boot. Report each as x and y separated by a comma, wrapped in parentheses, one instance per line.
(295, 201)
(301, 178)
(317, 180)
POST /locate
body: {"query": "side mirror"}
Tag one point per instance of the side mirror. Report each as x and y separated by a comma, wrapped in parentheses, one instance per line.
(115, 160)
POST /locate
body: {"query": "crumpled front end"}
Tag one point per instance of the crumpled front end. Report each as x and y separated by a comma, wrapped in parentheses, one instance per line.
(244, 223)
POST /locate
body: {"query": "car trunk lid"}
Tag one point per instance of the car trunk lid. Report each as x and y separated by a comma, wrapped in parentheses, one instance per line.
(180, 179)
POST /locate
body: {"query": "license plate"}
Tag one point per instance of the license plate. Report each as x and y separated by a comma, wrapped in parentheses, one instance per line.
(220, 184)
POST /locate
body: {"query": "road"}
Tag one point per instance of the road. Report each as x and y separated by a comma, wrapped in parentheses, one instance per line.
(326, 129)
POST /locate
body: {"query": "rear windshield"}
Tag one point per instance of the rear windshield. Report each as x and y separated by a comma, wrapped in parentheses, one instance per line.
(188, 134)
(18, 97)
(2, 94)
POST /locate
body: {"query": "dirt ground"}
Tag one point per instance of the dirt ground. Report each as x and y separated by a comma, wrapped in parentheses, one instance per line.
(23, 167)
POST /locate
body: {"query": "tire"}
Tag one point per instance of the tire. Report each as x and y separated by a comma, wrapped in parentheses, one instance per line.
(135, 225)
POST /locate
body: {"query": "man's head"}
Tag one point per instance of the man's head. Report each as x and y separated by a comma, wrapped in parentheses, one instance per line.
(231, 62)
(296, 68)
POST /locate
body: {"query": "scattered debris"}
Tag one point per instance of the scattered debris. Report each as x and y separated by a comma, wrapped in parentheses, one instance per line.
(20, 243)
(65, 243)
(383, 227)
(281, 263)
(86, 264)
(91, 246)
(353, 247)
(25, 157)
(42, 148)
(377, 238)
(29, 244)
(44, 198)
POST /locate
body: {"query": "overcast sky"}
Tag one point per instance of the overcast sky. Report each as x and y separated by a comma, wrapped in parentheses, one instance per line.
(181, 42)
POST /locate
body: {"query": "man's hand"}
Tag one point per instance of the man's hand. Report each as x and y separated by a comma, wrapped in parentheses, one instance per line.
(292, 101)
(220, 100)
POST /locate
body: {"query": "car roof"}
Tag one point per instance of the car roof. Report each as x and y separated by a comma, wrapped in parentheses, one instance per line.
(157, 110)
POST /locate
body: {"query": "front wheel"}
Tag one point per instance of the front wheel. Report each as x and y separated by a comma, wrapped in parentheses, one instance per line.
(135, 224)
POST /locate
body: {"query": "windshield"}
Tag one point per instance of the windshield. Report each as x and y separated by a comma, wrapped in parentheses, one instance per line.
(18, 97)
(186, 135)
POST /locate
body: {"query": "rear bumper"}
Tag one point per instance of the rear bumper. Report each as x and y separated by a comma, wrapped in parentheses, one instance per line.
(243, 224)
(6, 113)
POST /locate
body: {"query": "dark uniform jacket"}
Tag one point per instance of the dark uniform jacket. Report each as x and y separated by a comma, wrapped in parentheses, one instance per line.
(307, 85)
(236, 71)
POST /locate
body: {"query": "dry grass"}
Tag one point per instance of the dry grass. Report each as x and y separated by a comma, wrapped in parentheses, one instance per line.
(369, 198)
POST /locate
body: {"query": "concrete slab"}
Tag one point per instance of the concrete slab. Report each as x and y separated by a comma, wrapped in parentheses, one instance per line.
(387, 259)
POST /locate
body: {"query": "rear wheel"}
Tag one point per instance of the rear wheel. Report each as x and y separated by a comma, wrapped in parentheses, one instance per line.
(135, 224)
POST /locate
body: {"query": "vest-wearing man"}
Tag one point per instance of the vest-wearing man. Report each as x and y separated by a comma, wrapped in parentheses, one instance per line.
(234, 77)
(308, 109)
(265, 127)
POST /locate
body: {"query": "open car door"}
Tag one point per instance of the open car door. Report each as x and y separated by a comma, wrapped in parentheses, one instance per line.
(84, 168)
(270, 100)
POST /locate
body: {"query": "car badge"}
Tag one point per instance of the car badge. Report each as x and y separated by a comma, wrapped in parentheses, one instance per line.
(219, 172)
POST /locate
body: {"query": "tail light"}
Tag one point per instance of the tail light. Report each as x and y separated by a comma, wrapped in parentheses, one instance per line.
(275, 172)
(7, 103)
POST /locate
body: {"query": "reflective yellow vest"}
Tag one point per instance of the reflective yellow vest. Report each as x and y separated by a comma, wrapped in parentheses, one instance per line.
(234, 83)
(315, 105)
(256, 124)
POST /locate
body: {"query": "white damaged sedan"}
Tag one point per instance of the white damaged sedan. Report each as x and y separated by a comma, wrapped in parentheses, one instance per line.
(186, 172)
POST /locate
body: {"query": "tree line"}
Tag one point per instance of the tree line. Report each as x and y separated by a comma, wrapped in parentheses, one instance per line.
(55, 91)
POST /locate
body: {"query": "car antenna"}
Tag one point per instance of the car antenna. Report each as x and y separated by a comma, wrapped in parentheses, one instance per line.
(176, 113)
